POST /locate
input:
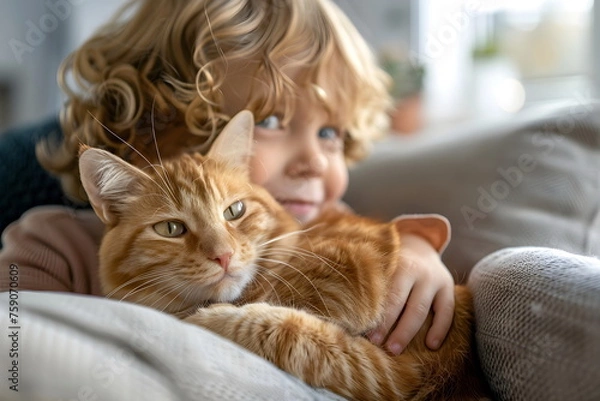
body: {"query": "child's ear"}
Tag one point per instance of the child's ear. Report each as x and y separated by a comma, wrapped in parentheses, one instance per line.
(108, 181)
(234, 143)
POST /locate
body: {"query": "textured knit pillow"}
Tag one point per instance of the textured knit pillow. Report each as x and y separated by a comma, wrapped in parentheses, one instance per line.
(538, 324)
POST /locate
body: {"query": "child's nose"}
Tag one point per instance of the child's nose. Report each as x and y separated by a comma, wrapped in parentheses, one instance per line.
(310, 161)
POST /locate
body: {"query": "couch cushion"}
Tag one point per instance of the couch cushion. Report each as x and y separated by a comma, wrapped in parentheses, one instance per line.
(84, 347)
(533, 181)
(538, 326)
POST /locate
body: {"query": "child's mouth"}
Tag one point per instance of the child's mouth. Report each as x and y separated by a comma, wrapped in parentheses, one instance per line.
(302, 210)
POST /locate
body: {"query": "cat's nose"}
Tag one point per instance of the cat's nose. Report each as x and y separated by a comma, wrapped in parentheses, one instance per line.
(223, 260)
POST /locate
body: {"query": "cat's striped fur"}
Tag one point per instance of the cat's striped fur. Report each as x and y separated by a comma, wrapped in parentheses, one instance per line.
(302, 297)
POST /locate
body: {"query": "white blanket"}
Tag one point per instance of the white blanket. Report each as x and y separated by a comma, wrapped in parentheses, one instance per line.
(69, 347)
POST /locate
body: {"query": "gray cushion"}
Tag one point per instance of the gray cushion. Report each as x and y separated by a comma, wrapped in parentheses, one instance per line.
(538, 324)
(532, 181)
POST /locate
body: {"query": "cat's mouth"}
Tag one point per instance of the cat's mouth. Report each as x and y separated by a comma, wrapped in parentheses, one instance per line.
(228, 286)
(303, 210)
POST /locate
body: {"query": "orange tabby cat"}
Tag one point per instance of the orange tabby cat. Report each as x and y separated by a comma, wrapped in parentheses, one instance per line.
(194, 231)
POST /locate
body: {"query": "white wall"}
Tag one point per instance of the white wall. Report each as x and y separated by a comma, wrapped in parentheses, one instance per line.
(35, 36)
(61, 25)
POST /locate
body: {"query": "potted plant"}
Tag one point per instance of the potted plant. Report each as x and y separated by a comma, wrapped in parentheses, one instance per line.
(407, 86)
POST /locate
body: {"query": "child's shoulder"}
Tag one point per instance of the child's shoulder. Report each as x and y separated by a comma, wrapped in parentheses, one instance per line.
(50, 215)
(52, 224)
(54, 248)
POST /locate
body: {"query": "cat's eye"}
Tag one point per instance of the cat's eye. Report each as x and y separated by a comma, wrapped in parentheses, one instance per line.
(234, 211)
(271, 122)
(170, 228)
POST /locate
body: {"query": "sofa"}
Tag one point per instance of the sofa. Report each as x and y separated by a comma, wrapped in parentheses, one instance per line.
(523, 199)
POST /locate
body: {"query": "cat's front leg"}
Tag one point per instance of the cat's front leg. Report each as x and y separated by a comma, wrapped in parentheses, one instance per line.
(222, 319)
(261, 328)
(295, 341)
(318, 352)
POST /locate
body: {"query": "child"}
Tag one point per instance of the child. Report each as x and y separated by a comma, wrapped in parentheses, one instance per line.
(180, 69)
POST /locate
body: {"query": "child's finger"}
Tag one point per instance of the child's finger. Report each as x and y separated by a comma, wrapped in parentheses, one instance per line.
(415, 313)
(395, 301)
(443, 309)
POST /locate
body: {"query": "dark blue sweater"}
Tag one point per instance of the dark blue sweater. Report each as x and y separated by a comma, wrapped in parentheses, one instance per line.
(23, 182)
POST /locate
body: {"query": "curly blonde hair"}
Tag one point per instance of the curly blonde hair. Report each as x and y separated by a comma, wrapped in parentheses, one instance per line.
(164, 62)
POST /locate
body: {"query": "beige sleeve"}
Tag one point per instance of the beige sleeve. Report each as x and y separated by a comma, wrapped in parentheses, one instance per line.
(52, 248)
(434, 228)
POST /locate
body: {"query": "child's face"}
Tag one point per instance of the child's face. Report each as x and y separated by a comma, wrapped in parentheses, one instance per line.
(302, 163)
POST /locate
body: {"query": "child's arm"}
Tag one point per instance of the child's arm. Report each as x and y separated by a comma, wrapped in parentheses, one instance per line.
(421, 283)
(52, 248)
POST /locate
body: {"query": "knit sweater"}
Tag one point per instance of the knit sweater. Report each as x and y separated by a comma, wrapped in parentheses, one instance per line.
(53, 248)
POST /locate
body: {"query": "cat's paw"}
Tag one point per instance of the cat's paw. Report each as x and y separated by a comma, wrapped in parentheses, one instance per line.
(217, 318)
(231, 321)
(246, 324)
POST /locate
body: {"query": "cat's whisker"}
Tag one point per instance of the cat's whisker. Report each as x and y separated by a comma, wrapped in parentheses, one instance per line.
(164, 185)
(140, 277)
(294, 250)
(169, 191)
(304, 254)
(166, 181)
(287, 235)
(121, 139)
(158, 156)
(264, 291)
(280, 279)
(175, 289)
(290, 302)
(171, 289)
(191, 292)
(160, 209)
(305, 277)
(310, 254)
(139, 288)
(159, 279)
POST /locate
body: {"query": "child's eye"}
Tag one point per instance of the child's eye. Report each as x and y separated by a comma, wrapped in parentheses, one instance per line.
(234, 211)
(329, 133)
(271, 122)
(170, 229)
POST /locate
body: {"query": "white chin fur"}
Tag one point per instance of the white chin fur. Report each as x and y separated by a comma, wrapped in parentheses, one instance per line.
(231, 288)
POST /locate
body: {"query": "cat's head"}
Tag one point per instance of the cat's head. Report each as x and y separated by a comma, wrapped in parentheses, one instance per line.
(185, 232)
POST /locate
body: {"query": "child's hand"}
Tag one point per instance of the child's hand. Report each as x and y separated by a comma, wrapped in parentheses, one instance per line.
(420, 283)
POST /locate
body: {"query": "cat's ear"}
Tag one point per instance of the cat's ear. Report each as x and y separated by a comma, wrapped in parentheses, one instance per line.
(234, 143)
(108, 180)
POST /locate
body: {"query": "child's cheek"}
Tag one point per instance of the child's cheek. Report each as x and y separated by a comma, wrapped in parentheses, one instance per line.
(264, 164)
(258, 172)
(337, 180)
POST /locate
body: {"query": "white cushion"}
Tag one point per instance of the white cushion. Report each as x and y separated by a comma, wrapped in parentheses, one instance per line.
(82, 347)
